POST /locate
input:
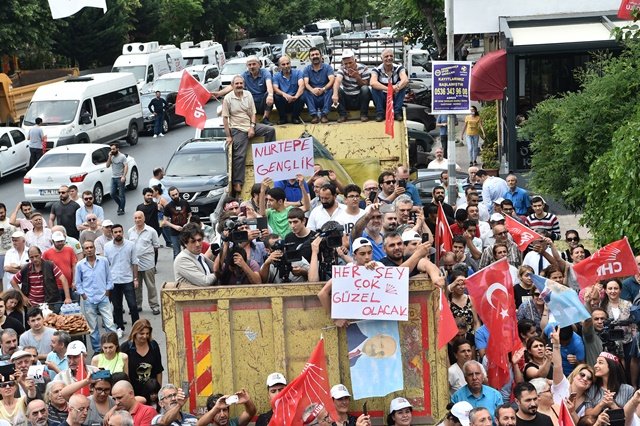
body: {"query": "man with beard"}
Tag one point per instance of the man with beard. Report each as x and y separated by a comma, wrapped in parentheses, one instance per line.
(150, 210)
(329, 210)
(171, 399)
(88, 208)
(8, 344)
(439, 198)
(389, 219)
(239, 118)
(505, 415)
(473, 199)
(22, 223)
(527, 401)
(318, 80)
(177, 214)
(123, 264)
(288, 86)
(64, 212)
(389, 189)
(417, 263)
(371, 221)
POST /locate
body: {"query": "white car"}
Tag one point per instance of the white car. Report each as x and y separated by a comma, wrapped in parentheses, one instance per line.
(237, 66)
(213, 129)
(208, 75)
(14, 150)
(84, 165)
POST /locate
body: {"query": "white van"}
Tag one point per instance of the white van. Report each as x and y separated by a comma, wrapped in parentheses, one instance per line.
(297, 49)
(94, 108)
(259, 49)
(148, 61)
(203, 53)
(331, 27)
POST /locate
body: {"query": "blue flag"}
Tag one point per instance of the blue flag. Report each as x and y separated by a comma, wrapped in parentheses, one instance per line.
(563, 302)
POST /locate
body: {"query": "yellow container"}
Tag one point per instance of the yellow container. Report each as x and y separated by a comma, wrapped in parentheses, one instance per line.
(222, 339)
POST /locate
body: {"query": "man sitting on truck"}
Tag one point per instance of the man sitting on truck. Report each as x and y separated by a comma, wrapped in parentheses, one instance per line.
(351, 87)
(380, 77)
(257, 81)
(288, 86)
(318, 80)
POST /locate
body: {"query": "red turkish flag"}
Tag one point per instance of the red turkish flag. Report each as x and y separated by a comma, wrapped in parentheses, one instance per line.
(81, 374)
(190, 100)
(626, 6)
(388, 124)
(613, 260)
(311, 386)
(447, 328)
(491, 292)
(564, 418)
(444, 238)
(521, 234)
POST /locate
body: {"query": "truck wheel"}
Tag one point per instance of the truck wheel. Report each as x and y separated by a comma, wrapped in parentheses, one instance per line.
(132, 137)
(133, 179)
(98, 194)
(165, 125)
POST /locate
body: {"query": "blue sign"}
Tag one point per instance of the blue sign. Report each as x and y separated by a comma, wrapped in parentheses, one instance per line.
(451, 87)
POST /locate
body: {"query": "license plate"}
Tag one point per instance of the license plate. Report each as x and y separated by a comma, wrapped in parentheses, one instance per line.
(47, 192)
(194, 210)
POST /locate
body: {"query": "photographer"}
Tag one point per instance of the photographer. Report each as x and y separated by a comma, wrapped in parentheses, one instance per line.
(285, 263)
(232, 266)
(328, 249)
(239, 233)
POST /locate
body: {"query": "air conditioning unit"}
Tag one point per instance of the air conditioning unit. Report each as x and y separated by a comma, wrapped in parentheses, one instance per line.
(206, 43)
(186, 44)
(137, 48)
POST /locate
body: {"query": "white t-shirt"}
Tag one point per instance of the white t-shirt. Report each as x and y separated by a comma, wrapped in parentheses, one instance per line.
(319, 216)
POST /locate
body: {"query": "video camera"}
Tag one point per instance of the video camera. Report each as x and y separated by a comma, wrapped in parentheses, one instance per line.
(231, 225)
(612, 334)
(332, 233)
(290, 253)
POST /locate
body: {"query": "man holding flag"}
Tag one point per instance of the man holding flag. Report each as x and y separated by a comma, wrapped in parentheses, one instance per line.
(239, 118)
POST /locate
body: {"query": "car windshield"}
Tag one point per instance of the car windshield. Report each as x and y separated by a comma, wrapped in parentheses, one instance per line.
(51, 112)
(140, 71)
(214, 132)
(252, 51)
(166, 85)
(194, 61)
(235, 68)
(197, 163)
(63, 159)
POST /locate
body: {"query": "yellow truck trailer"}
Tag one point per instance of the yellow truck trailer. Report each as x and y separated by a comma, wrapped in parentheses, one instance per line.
(16, 91)
(224, 338)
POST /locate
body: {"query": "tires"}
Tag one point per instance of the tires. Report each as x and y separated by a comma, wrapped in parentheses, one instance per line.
(132, 136)
(165, 125)
(39, 206)
(133, 180)
(98, 194)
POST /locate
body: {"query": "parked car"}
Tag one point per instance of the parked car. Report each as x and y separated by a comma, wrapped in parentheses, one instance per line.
(168, 85)
(208, 75)
(198, 168)
(14, 150)
(429, 179)
(237, 66)
(84, 165)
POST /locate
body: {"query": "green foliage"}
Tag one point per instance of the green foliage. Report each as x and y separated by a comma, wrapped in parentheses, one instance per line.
(146, 22)
(570, 132)
(612, 207)
(26, 27)
(176, 17)
(489, 150)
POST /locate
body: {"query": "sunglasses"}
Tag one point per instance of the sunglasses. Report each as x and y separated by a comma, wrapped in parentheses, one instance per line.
(584, 376)
(7, 384)
(88, 198)
(389, 182)
(536, 294)
(91, 220)
(573, 239)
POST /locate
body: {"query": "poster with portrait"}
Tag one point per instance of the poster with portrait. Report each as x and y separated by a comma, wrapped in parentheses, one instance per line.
(375, 359)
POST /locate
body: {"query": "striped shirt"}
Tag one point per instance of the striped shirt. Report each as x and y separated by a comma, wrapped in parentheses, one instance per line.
(36, 283)
(548, 223)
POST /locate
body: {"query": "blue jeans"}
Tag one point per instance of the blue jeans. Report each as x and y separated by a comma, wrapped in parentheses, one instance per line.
(472, 147)
(285, 107)
(355, 102)
(380, 100)
(157, 126)
(117, 192)
(318, 105)
(127, 290)
(175, 244)
(91, 312)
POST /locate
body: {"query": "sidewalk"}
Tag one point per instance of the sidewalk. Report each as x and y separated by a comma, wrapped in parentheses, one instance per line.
(567, 219)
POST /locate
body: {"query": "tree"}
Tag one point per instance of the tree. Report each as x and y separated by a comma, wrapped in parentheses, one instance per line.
(26, 27)
(572, 131)
(146, 22)
(93, 38)
(176, 19)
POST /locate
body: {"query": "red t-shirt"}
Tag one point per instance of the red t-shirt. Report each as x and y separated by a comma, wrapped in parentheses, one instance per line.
(143, 414)
(64, 259)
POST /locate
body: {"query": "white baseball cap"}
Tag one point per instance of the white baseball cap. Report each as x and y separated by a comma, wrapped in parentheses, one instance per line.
(360, 242)
(498, 200)
(347, 53)
(399, 404)
(76, 348)
(496, 217)
(107, 222)
(276, 379)
(461, 411)
(58, 236)
(18, 234)
(410, 235)
(339, 391)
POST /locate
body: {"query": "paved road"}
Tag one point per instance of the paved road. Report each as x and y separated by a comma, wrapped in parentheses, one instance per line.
(148, 153)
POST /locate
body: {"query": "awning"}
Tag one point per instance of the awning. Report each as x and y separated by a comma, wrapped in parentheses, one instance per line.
(489, 76)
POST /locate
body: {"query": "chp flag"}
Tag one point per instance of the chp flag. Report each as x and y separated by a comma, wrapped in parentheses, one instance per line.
(388, 122)
(311, 386)
(613, 260)
(190, 100)
(626, 7)
(64, 8)
(491, 291)
(521, 234)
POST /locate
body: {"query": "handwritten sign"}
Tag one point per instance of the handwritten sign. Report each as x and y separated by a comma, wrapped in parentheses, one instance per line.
(374, 294)
(282, 160)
